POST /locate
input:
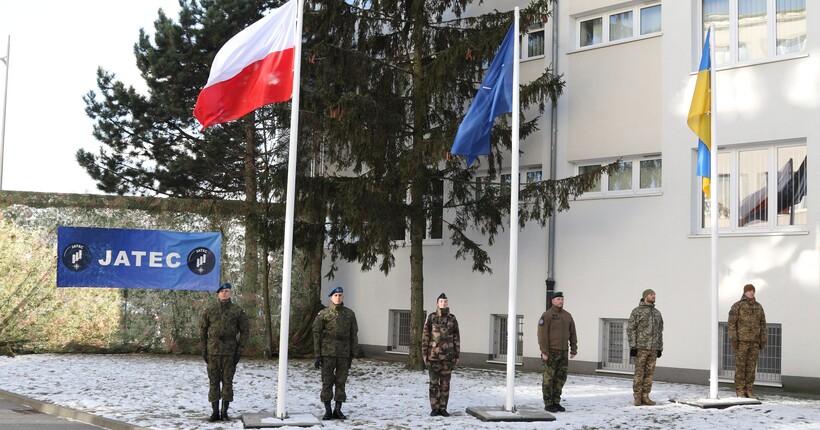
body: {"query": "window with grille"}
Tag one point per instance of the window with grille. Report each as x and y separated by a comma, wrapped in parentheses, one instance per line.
(615, 346)
(399, 331)
(768, 362)
(500, 338)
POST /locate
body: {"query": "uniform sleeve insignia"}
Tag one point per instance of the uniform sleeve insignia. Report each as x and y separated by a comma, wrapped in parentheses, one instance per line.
(541, 321)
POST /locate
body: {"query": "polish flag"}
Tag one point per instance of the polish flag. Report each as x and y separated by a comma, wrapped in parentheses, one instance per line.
(253, 69)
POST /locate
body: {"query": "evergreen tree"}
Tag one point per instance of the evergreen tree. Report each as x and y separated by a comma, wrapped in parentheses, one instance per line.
(396, 97)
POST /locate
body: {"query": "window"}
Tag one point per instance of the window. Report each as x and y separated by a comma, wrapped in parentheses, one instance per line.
(399, 331)
(618, 25)
(745, 187)
(434, 209)
(627, 180)
(755, 30)
(615, 344)
(535, 43)
(500, 338)
(768, 362)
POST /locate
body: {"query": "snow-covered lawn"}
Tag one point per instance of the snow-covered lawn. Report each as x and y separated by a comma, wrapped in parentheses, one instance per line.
(170, 392)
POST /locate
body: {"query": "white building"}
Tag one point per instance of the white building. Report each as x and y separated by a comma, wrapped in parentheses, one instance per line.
(630, 70)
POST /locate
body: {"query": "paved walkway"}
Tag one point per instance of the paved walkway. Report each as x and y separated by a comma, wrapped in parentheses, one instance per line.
(22, 413)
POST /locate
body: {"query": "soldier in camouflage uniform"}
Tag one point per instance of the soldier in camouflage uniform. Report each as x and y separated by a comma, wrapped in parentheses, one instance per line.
(556, 334)
(440, 348)
(335, 339)
(645, 333)
(223, 331)
(747, 332)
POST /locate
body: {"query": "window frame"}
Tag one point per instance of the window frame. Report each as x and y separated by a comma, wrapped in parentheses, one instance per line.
(606, 35)
(398, 331)
(634, 190)
(627, 363)
(498, 338)
(734, 37)
(525, 45)
(731, 180)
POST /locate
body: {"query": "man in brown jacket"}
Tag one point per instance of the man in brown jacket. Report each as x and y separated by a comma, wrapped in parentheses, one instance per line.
(747, 332)
(556, 335)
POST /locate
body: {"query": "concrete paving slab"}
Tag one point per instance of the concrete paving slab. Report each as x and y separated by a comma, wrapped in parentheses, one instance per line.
(719, 403)
(498, 414)
(22, 413)
(269, 420)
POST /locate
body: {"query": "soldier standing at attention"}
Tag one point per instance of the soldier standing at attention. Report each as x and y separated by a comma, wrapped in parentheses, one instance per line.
(335, 339)
(556, 335)
(645, 333)
(747, 332)
(223, 330)
(440, 348)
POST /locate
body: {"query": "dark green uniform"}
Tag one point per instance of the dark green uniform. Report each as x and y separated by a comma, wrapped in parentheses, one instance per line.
(441, 345)
(335, 339)
(747, 332)
(223, 331)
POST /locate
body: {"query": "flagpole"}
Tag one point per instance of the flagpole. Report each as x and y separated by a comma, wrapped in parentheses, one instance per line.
(512, 316)
(284, 325)
(713, 212)
(5, 61)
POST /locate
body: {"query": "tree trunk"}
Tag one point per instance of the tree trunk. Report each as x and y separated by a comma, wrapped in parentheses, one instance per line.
(251, 269)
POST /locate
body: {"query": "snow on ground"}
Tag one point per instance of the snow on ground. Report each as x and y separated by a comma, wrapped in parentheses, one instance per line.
(170, 392)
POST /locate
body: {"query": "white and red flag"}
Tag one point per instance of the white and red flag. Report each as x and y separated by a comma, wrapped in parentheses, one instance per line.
(253, 69)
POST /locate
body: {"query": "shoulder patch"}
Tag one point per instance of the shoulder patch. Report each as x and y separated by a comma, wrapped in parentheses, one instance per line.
(541, 321)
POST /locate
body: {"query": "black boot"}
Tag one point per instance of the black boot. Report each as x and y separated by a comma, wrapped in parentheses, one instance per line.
(337, 412)
(328, 414)
(215, 415)
(224, 413)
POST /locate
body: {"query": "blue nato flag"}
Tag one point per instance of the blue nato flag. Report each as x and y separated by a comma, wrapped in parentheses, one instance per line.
(492, 99)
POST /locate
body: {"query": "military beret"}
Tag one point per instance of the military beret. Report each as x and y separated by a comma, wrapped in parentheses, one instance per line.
(557, 294)
(442, 296)
(225, 286)
(339, 290)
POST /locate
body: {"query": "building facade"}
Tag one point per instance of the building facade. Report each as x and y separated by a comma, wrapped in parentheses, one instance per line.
(630, 70)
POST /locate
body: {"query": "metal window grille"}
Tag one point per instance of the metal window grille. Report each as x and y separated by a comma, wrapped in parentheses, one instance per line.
(769, 363)
(500, 338)
(615, 353)
(400, 338)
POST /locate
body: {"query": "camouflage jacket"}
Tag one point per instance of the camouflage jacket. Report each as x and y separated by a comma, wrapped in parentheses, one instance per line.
(335, 332)
(219, 326)
(556, 330)
(747, 321)
(645, 327)
(441, 340)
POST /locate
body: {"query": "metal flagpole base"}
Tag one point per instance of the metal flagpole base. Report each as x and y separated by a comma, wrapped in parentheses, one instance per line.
(270, 420)
(498, 414)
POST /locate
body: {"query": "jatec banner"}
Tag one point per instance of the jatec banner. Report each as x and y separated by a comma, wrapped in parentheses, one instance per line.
(152, 259)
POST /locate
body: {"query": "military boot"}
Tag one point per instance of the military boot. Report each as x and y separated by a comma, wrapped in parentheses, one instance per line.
(224, 413)
(337, 412)
(646, 400)
(638, 399)
(328, 414)
(215, 415)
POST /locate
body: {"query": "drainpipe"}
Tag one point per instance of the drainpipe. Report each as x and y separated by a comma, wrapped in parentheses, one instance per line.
(552, 174)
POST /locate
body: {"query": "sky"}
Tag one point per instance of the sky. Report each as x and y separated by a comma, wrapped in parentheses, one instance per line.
(56, 47)
(170, 392)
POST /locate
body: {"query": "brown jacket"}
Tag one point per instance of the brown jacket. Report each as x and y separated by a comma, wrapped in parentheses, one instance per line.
(556, 330)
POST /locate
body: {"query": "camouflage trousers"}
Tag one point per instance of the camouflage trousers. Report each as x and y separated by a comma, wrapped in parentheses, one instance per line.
(555, 375)
(644, 371)
(334, 374)
(440, 373)
(745, 367)
(221, 369)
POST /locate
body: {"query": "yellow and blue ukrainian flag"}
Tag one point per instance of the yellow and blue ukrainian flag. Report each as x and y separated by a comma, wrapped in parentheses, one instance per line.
(699, 115)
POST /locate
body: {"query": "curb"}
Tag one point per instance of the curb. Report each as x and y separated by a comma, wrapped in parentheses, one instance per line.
(62, 411)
